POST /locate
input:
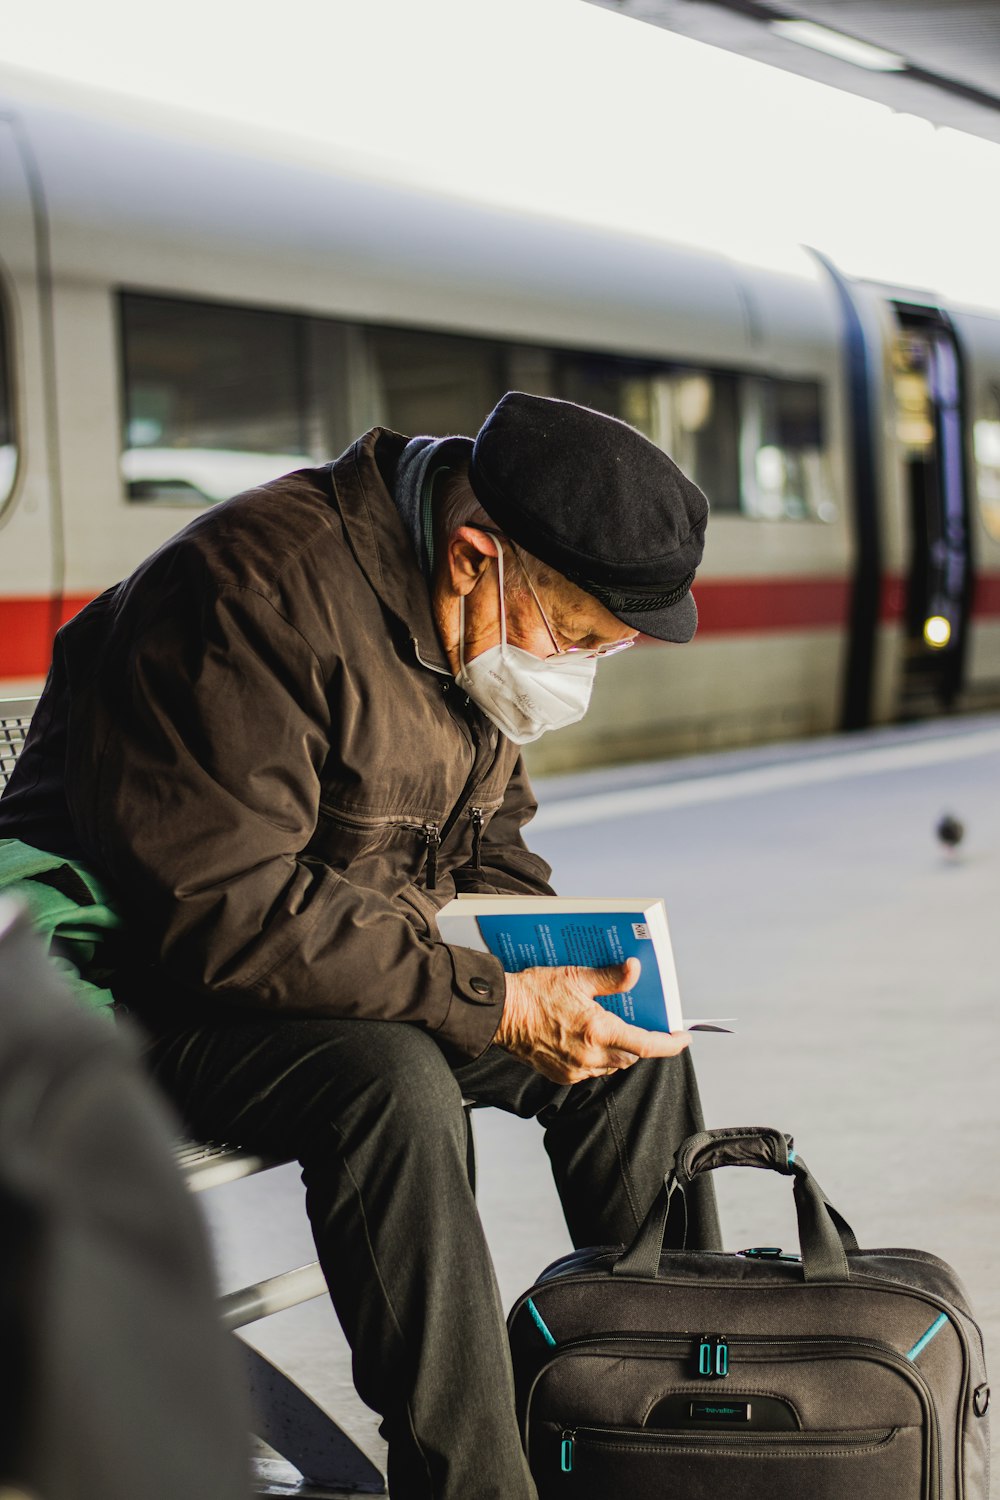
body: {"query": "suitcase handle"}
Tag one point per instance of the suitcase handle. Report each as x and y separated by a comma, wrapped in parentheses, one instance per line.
(825, 1236)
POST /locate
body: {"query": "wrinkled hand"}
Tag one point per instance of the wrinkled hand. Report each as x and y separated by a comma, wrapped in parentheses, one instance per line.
(552, 1021)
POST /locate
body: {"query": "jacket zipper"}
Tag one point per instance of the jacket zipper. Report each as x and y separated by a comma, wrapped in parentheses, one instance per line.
(434, 844)
(478, 823)
(431, 833)
(474, 779)
(367, 822)
(432, 838)
(434, 834)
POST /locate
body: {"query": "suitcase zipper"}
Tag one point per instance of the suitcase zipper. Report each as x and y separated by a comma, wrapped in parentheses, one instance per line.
(712, 1360)
(654, 1438)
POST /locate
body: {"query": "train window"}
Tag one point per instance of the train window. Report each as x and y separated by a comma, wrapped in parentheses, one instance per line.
(784, 468)
(618, 387)
(695, 418)
(986, 448)
(214, 398)
(8, 436)
(691, 414)
(435, 383)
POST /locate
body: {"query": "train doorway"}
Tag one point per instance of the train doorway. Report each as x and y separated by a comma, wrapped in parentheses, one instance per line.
(927, 382)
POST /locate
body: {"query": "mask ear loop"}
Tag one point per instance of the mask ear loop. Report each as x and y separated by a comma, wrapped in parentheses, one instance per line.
(503, 611)
(503, 605)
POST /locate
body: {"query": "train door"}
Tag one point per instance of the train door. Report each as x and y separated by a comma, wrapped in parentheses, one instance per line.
(29, 566)
(928, 402)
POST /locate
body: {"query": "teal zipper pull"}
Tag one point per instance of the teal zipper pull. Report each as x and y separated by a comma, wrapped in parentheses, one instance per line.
(712, 1360)
(566, 1455)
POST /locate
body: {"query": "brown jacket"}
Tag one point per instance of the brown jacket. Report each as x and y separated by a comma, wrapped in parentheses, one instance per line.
(257, 739)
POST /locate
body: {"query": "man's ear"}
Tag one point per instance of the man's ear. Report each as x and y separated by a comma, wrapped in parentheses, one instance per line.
(469, 552)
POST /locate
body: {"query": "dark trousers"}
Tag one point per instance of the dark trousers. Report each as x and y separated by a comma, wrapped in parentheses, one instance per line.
(373, 1111)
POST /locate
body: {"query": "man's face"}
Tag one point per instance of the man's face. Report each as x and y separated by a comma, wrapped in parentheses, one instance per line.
(571, 620)
(546, 614)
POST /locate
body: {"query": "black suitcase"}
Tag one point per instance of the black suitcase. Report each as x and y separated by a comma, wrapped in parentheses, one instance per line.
(685, 1374)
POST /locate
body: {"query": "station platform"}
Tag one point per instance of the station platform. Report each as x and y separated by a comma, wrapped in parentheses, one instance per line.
(810, 897)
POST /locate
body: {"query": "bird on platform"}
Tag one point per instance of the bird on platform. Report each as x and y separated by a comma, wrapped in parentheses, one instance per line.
(950, 832)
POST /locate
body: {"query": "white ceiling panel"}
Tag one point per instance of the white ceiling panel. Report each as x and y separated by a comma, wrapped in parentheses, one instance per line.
(951, 51)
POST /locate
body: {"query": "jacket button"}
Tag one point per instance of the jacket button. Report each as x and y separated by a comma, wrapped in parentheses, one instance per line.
(481, 986)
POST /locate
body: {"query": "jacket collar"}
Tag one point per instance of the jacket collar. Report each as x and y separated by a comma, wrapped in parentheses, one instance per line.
(361, 480)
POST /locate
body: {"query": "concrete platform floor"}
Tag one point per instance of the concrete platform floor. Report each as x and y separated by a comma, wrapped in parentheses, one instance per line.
(809, 897)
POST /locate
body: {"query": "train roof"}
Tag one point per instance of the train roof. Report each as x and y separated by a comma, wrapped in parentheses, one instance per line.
(143, 197)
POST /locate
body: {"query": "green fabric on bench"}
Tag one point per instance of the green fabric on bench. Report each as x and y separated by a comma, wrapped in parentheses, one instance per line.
(69, 906)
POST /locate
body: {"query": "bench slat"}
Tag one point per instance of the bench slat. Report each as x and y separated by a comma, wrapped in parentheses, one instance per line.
(208, 1166)
(14, 720)
(275, 1294)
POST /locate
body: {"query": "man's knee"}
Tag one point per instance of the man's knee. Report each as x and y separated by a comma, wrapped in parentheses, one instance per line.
(388, 1082)
(406, 1071)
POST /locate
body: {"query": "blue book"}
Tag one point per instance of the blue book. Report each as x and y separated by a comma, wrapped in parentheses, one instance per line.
(549, 931)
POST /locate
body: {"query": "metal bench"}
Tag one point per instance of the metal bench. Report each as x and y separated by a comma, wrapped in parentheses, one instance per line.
(284, 1416)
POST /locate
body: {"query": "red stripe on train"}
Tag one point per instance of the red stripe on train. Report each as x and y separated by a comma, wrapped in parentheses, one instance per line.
(26, 630)
(986, 596)
(735, 606)
(726, 606)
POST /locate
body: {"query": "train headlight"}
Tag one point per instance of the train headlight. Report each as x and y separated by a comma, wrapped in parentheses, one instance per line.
(937, 631)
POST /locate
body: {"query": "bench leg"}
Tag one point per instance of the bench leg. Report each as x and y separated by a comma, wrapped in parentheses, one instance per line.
(293, 1425)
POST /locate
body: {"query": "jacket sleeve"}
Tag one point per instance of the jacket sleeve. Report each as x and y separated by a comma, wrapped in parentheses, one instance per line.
(209, 788)
(506, 865)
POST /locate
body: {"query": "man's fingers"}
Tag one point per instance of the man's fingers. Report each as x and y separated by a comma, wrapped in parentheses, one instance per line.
(552, 1020)
(644, 1043)
(618, 1060)
(614, 980)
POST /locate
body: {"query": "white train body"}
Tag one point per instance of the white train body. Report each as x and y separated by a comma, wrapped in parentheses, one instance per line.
(132, 258)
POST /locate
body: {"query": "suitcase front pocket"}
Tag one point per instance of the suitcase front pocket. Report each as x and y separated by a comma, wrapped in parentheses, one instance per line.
(612, 1416)
(603, 1463)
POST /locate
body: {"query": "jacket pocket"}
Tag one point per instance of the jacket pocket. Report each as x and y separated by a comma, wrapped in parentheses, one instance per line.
(381, 850)
(420, 910)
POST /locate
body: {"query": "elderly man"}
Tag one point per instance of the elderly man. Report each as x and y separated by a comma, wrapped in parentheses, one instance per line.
(285, 742)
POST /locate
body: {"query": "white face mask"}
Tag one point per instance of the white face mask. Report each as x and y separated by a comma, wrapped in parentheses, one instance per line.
(524, 695)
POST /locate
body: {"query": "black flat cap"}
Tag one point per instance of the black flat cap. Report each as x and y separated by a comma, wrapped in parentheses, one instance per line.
(596, 500)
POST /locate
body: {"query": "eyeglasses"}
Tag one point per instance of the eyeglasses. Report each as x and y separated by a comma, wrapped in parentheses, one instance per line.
(598, 652)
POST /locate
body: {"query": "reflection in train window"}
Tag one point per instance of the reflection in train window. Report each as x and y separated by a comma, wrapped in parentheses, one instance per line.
(784, 467)
(435, 383)
(691, 414)
(695, 418)
(220, 398)
(213, 398)
(617, 387)
(8, 436)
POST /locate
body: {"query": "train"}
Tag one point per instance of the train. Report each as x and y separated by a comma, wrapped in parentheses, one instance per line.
(184, 315)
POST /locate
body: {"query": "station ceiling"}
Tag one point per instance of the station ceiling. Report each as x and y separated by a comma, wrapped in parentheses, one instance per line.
(944, 54)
